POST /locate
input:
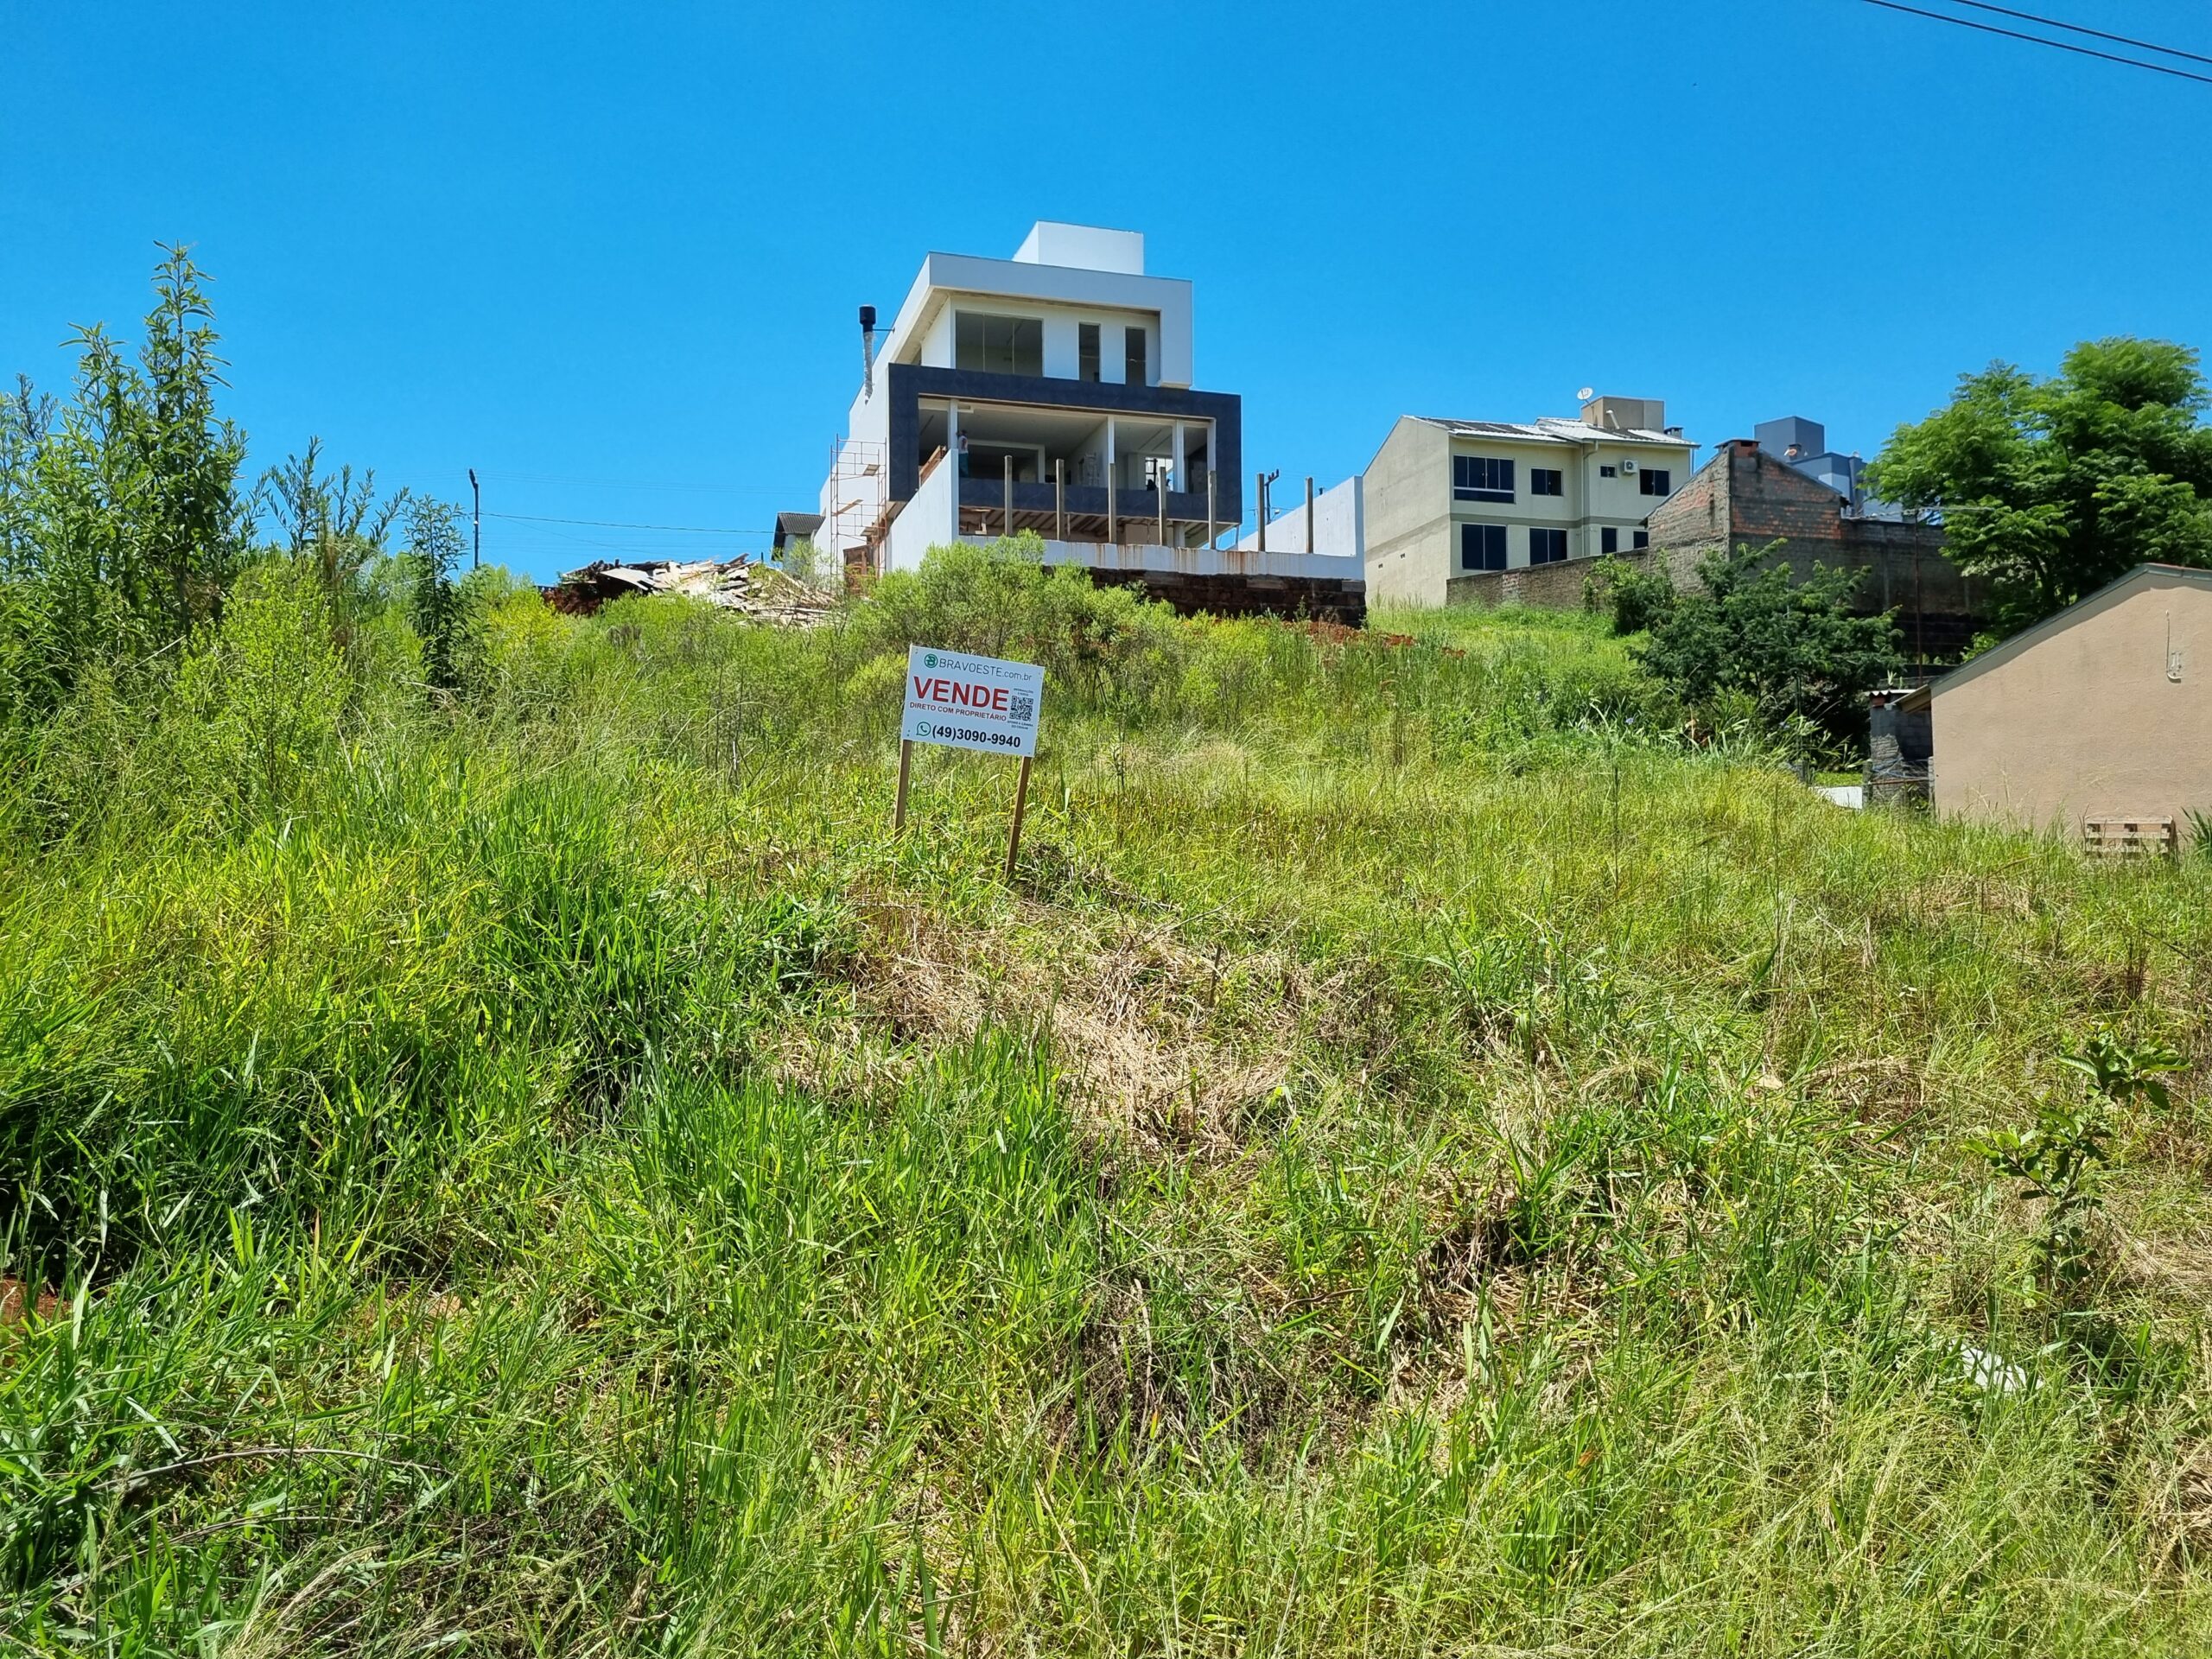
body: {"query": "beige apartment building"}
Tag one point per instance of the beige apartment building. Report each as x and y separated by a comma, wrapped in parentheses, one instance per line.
(1446, 498)
(2096, 721)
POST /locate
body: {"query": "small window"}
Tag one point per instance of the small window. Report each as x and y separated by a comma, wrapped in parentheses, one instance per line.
(1133, 349)
(1609, 472)
(1547, 480)
(1481, 478)
(1608, 540)
(1642, 539)
(1086, 351)
(998, 345)
(1547, 546)
(1656, 480)
(1482, 547)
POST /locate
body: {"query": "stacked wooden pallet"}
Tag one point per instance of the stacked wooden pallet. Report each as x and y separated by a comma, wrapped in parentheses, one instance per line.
(2129, 837)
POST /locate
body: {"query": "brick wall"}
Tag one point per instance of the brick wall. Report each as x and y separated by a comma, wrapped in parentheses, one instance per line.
(1545, 586)
(1697, 514)
(1744, 497)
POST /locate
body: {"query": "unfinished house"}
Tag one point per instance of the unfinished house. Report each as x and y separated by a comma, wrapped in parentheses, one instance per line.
(1052, 392)
(2096, 722)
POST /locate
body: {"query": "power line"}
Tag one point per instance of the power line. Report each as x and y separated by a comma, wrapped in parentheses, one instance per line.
(2038, 40)
(2093, 33)
(617, 523)
(629, 483)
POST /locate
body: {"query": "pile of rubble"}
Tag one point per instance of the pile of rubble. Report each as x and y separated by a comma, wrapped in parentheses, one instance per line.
(756, 590)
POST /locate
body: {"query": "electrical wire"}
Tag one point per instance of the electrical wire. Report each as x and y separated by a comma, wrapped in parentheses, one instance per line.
(496, 473)
(2038, 40)
(2093, 33)
(617, 523)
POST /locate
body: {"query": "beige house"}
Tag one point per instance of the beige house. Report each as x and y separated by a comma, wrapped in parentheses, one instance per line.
(1450, 499)
(2095, 722)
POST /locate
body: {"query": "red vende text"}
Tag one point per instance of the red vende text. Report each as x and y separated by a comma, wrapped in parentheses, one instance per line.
(961, 694)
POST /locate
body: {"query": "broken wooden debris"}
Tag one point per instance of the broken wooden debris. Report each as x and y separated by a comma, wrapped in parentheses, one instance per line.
(759, 591)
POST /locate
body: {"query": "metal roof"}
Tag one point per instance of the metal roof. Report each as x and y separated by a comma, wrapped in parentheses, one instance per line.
(1555, 430)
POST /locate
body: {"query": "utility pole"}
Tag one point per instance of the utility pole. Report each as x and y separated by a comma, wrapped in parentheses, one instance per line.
(476, 523)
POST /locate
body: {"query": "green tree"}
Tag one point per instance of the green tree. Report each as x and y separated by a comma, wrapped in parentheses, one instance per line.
(2051, 488)
(1793, 647)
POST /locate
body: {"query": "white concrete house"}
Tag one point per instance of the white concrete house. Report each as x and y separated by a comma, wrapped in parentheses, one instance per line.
(1446, 498)
(1051, 392)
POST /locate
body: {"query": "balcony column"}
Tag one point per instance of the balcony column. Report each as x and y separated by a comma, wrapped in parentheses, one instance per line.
(952, 460)
(1175, 472)
(1113, 518)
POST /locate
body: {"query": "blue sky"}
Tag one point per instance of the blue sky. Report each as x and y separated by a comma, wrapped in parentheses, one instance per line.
(609, 255)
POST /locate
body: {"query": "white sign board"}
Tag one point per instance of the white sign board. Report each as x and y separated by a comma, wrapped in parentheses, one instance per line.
(971, 702)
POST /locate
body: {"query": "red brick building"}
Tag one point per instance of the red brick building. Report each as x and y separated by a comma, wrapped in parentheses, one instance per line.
(1746, 498)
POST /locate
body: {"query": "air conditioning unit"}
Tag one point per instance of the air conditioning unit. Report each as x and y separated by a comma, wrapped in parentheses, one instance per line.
(1627, 467)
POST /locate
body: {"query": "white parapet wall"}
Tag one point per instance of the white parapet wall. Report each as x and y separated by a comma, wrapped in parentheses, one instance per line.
(1205, 560)
(927, 521)
(1339, 524)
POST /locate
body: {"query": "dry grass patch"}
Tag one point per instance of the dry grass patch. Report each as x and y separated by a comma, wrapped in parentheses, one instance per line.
(1170, 1046)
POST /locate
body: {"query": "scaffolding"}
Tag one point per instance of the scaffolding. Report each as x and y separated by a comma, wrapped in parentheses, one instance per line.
(857, 513)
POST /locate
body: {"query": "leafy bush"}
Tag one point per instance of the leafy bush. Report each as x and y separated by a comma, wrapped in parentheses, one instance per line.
(1793, 647)
(1637, 599)
(1001, 600)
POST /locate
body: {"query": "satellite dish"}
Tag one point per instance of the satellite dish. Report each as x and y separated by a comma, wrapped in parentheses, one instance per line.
(1586, 394)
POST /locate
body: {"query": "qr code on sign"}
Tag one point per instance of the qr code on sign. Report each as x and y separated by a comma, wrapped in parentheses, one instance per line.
(1021, 710)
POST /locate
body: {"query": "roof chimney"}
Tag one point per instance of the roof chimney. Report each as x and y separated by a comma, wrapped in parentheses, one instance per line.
(868, 351)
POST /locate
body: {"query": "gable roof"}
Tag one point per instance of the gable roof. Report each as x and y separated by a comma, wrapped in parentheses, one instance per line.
(2087, 605)
(794, 527)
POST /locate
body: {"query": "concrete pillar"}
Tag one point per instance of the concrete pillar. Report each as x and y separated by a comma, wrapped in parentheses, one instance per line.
(1113, 515)
(1176, 470)
(952, 460)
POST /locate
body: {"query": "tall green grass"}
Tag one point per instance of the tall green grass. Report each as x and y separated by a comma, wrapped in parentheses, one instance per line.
(1419, 1160)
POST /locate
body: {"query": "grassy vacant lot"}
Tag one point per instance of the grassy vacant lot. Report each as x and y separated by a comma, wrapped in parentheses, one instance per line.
(1416, 1163)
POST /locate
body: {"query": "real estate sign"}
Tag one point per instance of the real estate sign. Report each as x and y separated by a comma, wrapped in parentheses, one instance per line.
(972, 703)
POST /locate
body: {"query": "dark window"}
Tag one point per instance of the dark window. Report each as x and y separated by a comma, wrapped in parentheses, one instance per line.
(1609, 472)
(1546, 480)
(1547, 546)
(1608, 540)
(1481, 478)
(998, 345)
(1656, 480)
(1642, 539)
(1086, 351)
(1482, 547)
(1133, 349)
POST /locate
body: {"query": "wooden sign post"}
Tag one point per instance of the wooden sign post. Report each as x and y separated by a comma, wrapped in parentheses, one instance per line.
(1021, 806)
(971, 702)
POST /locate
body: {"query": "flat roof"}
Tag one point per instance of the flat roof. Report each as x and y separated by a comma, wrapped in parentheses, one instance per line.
(1556, 429)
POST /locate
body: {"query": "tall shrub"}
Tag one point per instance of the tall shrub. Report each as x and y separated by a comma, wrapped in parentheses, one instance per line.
(434, 535)
(120, 519)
